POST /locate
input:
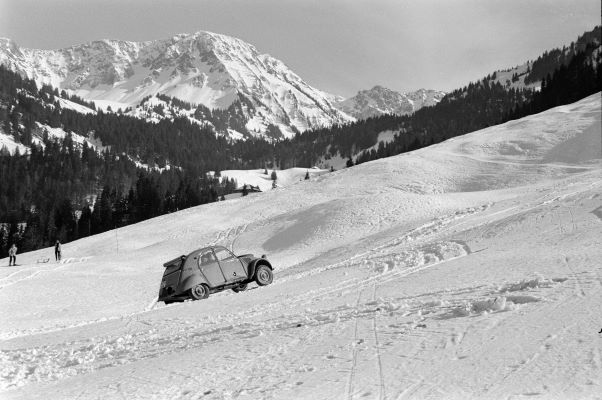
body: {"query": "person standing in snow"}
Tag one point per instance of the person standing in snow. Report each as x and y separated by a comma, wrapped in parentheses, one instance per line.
(57, 250)
(12, 255)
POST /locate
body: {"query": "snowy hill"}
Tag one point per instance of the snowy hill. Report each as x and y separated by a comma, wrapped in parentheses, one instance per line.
(380, 100)
(201, 68)
(531, 73)
(56, 134)
(7, 143)
(468, 269)
(284, 178)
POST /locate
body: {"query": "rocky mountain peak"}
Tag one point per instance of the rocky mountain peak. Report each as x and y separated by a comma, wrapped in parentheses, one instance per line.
(203, 68)
(380, 100)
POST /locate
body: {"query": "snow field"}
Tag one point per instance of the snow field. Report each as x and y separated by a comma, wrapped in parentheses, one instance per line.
(264, 182)
(448, 273)
(8, 142)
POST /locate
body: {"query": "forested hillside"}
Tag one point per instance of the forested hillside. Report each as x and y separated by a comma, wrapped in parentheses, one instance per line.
(63, 189)
(47, 193)
(580, 78)
(576, 74)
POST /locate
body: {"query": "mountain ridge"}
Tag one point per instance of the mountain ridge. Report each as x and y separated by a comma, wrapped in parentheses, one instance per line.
(203, 68)
(380, 100)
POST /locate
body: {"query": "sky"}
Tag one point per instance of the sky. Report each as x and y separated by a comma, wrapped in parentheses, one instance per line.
(339, 46)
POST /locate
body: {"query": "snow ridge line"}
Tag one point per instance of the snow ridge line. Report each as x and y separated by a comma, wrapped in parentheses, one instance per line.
(413, 235)
(412, 256)
(537, 203)
(521, 163)
(423, 258)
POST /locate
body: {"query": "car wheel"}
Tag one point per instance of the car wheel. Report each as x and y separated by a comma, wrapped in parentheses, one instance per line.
(240, 288)
(263, 275)
(200, 291)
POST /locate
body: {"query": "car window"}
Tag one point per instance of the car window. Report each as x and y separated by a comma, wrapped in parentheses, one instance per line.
(206, 257)
(223, 254)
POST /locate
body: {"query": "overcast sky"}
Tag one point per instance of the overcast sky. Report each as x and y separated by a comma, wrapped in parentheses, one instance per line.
(340, 46)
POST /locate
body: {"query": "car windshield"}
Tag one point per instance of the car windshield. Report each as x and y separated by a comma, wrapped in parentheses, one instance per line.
(223, 254)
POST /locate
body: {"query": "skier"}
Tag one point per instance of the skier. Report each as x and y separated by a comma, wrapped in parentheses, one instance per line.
(12, 255)
(57, 250)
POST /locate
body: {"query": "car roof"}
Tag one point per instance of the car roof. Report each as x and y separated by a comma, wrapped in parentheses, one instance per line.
(210, 248)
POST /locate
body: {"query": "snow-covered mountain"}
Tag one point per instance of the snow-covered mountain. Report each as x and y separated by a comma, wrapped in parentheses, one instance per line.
(380, 100)
(205, 68)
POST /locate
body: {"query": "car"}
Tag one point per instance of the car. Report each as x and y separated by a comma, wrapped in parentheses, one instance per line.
(210, 270)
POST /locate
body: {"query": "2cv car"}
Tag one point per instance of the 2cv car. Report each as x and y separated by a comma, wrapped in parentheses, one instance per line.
(211, 270)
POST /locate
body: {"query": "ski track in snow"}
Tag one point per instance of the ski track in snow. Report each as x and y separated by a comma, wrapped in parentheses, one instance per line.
(415, 235)
(32, 272)
(49, 363)
(395, 259)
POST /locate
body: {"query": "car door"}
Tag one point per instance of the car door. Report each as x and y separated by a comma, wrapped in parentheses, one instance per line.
(210, 268)
(231, 266)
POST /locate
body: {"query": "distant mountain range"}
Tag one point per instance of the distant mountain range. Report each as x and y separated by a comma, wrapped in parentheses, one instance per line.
(380, 100)
(201, 68)
(215, 71)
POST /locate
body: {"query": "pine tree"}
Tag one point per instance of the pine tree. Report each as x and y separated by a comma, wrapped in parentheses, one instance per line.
(64, 220)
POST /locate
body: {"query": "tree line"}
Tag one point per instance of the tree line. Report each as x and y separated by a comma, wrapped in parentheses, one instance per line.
(60, 191)
(467, 109)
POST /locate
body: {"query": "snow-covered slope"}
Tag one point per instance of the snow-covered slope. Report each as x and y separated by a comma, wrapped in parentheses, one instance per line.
(284, 178)
(64, 103)
(8, 144)
(56, 134)
(469, 269)
(515, 78)
(201, 68)
(380, 100)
